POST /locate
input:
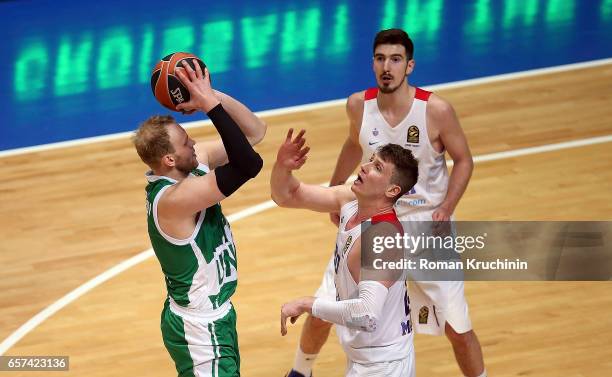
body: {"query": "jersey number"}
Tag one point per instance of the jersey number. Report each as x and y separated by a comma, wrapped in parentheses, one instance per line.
(225, 258)
(406, 326)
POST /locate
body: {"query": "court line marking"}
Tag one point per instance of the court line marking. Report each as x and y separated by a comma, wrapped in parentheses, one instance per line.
(39, 318)
(320, 105)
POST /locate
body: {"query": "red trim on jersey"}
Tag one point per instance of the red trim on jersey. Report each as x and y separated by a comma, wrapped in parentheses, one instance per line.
(421, 94)
(371, 93)
(389, 217)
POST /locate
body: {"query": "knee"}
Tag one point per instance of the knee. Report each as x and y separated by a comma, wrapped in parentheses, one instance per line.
(459, 339)
(317, 324)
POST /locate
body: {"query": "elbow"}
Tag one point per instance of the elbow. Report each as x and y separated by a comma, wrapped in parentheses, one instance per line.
(366, 322)
(260, 132)
(372, 320)
(469, 164)
(253, 169)
(372, 324)
(258, 165)
(263, 127)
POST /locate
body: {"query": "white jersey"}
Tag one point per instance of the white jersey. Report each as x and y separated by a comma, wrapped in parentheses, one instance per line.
(393, 337)
(410, 133)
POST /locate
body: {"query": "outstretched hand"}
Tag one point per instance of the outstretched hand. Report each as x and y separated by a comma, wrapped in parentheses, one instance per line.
(202, 97)
(292, 153)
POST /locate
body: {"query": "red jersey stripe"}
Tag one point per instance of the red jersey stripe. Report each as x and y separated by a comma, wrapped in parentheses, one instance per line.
(371, 93)
(390, 217)
(421, 94)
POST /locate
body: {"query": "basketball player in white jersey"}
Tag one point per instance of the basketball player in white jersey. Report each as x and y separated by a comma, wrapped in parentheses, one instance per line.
(398, 113)
(372, 311)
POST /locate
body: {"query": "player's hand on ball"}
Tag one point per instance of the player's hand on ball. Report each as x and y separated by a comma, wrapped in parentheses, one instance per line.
(198, 83)
(292, 153)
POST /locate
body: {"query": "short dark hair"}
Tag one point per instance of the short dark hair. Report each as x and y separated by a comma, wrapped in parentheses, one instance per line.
(406, 172)
(394, 37)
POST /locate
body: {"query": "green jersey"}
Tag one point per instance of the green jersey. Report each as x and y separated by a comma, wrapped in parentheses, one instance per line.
(201, 270)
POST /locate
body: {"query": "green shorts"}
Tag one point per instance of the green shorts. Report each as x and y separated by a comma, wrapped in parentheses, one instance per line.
(202, 348)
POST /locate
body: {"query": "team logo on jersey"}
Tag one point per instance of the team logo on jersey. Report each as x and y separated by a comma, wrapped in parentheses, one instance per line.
(375, 131)
(347, 244)
(423, 315)
(413, 135)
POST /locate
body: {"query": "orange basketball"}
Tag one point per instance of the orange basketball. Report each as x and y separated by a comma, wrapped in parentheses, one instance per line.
(166, 85)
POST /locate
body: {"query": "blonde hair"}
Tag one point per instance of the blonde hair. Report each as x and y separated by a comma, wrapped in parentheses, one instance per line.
(151, 139)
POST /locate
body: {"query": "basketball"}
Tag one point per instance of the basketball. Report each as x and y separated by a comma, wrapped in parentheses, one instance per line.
(165, 83)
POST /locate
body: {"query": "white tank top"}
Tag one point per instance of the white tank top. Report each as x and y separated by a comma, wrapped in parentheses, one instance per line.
(393, 337)
(410, 133)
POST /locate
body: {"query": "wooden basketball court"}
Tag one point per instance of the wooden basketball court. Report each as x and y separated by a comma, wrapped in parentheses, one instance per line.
(70, 214)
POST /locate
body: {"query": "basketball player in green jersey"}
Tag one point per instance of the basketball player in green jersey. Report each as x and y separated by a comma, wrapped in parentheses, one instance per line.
(190, 236)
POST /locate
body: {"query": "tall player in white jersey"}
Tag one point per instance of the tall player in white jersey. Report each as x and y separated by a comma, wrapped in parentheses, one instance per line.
(372, 310)
(398, 113)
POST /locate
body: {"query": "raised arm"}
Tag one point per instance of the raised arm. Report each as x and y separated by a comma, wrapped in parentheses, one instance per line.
(351, 152)
(193, 194)
(288, 191)
(212, 152)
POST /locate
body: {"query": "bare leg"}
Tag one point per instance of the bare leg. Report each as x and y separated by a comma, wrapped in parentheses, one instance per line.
(314, 335)
(467, 351)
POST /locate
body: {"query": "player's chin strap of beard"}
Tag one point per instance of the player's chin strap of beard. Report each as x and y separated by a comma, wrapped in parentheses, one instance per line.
(360, 314)
(244, 163)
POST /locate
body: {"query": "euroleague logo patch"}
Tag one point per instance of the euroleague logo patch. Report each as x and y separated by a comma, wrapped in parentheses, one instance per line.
(423, 315)
(413, 135)
(347, 244)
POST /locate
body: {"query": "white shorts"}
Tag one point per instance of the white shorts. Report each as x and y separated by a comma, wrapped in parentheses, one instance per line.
(398, 368)
(432, 303)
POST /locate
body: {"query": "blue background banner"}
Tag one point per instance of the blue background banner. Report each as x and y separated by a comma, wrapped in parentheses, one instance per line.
(71, 70)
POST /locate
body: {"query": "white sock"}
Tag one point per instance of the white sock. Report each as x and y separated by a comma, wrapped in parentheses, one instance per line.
(303, 362)
(483, 374)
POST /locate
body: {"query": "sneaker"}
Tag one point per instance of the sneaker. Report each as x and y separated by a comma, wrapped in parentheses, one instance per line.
(293, 373)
